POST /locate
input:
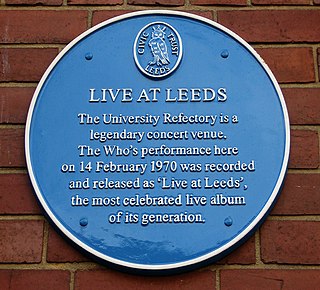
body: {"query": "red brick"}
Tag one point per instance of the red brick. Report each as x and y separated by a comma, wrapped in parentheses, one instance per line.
(303, 105)
(290, 65)
(21, 241)
(95, 2)
(16, 195)
(219, 2)
(273, 25)
(34, 2)
(111, 280)
(269, 279)
(12, 148)
(24, 64)
(304, 151)
(56, 26)
(15, 103)
(281, 2)
(318, 52)
(290, 242)
(205, 14)
(60, 251)
(34, 280)
(300, 195)
(244, 255)
(157, 2)
(100, 16)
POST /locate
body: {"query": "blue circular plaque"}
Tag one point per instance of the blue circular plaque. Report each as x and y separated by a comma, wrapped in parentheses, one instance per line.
(157, 141)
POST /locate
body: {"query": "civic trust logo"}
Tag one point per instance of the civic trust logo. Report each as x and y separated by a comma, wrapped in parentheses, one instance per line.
(157, 49)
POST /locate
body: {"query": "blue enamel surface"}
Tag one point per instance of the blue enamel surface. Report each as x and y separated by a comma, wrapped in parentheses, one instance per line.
(55, 134)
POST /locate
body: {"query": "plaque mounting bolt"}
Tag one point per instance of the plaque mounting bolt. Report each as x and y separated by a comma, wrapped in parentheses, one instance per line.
(228, 221)
(89, 56)
(84, 222)
(225, 53)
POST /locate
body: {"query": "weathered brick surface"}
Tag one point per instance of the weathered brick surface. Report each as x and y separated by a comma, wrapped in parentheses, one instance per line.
(34, 2)
(303, 105)
(273, 25)
(16, 195)
(290, 242)
(318, 51)
(25, 64)
(269, 279)
(21, 241)
(87, 280)
(281, 2)
(244, 255)
(304, 150)
(219, 2)
(34, 280)
(300, 195)
(41, 26)
(95, 2)
(156, 2)
(290, 65)
(12, 148)
(101, 15)
(61, 251)
(15, 103)
(205, 14)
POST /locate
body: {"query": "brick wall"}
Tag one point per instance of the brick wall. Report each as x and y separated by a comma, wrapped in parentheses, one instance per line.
(283, 254)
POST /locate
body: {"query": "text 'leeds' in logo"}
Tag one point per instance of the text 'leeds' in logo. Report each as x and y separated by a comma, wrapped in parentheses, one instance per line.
(157, 49)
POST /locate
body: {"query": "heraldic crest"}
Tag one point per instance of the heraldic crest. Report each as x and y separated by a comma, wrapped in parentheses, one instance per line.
(157, 49)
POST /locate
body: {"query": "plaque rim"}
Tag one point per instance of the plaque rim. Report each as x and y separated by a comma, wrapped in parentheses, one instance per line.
(200, 259)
